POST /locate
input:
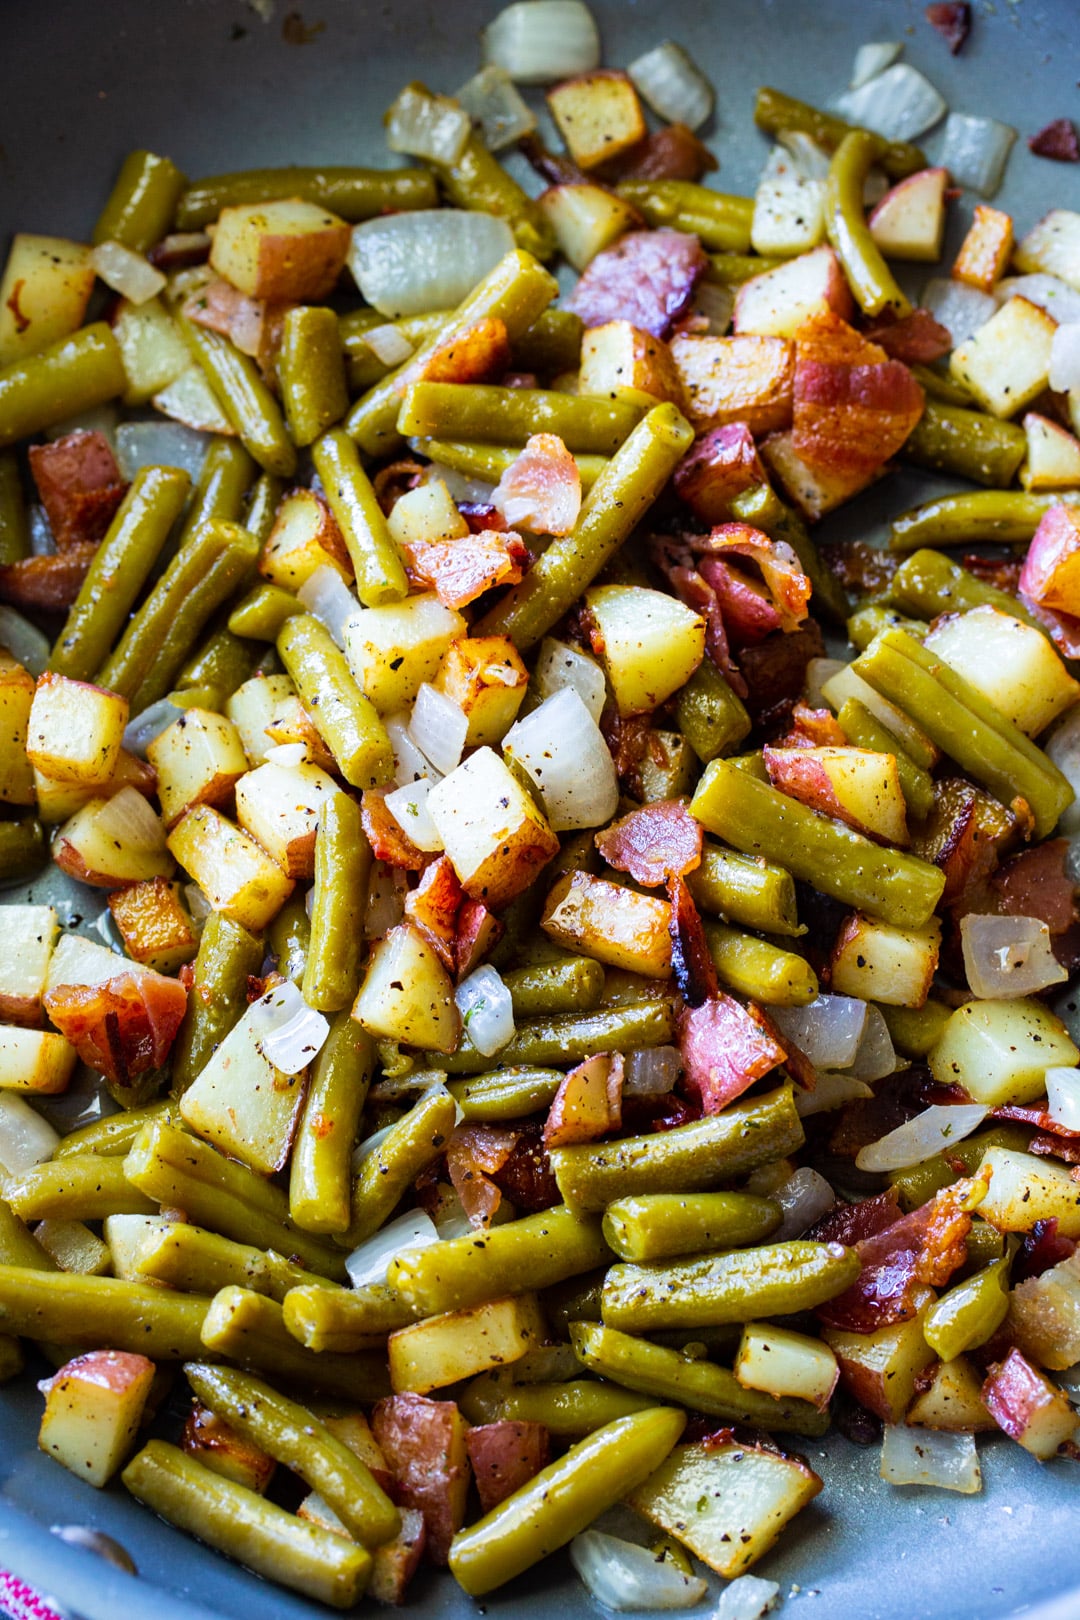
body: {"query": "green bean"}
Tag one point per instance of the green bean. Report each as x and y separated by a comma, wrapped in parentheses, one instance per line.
(746, 890)
(755, 967)
(688, 1158)
(119, 570)
(311, 368)
(22, 848)
(344, 718)
(228, 957)
(344, 1319)
(288, 939)
(14, 524)
(576, 1300)
(570, 1037)
(969, 1313)
(112, 1136)
(294, 1437)
(756, 818)
(721, 223)
(488, 462)
(506, 1093)
(125, 1315)
(238, 387)
(70, 376)
(200, 1262)
(1006, 516)
(614, 506)
(18, 1246)
(968, 444)
(774, 1280)
(568, 985)
(563, 1499)
(567, 1408)
(661, 1224)
(872, 282)
(193, 612)
(710, 714)
(322, 1565)
(872, 618)
(342, 868)
(140, 207)
(774, 112)
(918, 1183)
(735, 269)
(914, 1030)
(83, 1187)
(482, 413)
(263, 502)
(388, 1170)
(966, 726)
(700, 1386)
(864, 730)
(939, 385)
(984, 1244)
(552, 344)
(222, 488)
(380, 574)
(261, 613)
(320, 1178)
(763, 509)
(249, 1328)
(353, 193)
(219, 665)
(928, 583)
(478, 181)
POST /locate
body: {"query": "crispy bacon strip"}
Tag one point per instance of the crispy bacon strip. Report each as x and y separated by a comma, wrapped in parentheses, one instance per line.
(724, 1051)
(647, 278)
(745, 605)
(433, 906)
(854, 1223)
(916, 338)
(691, 961)
(1036, 883)
(388, 839)
(123, 1027)
(49, 583)
(855, 417)
(787, 585)
(473, 1154)
(540, 492)
(527, 1178)
(478, 354)
(654, 843)
(80, 486)
(1058, 141)
(461, 570)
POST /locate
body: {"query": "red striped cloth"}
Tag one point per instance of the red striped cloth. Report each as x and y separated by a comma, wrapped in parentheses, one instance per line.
(20, 1602)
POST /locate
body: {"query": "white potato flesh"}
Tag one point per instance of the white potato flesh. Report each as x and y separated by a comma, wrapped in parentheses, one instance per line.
(1009, 662)
(999, 1051)
(651, 643)
(393, 649)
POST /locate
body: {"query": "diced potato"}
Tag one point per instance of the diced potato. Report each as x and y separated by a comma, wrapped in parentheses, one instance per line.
(291, 722)
(232, 870)
(781, 1362)
(458, 1344)
(1029, 1407)
(986, 249)
(1053, 246)
(76, 730)
(407, 995)
(44, 292)
(598, 116)
(280, 806)
(776, 303)
(154, 353)
(650, 643)
(29, 937)
(1053, 456)
(199, 759)
(424, 1443)
(736, 379)
(879, 963)
(190, 399)
(999, 1051)
(1025, 1189)
(56, 801)
(789, 210)
(1044, 1315)
(814, 490)
(250, 709)
(952, 1401)
(1007, 362)
(427, 512)
(909, 221)
(353, 1430)
(219, 1447)
(855, 784)
(154, 924)
(16, 700)
(1009, 662)
(393, 649)
(93, 1407)
(620, 361)
(304, 537)
(394, 1564)
(128, 1236)
(74, 1247)
(610, 923)
(112, 842)
(286, 249)
(76, 960)
(1051, 571)
(242, 1104)
(35, 1060)
(880, 1369)
(586, 219)
(486, 678)
(494, 834)
(727, 1503)
(845, 684)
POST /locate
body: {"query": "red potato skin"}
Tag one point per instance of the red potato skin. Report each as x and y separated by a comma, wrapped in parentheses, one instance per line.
(461, 570)
(799, 774)
(80, 486)
(433, 906)
(725, 1050)
(505, 1456)
(588, 1103)
(109, 1369)
(48, 583)
(477, 931)
(1051, 572)
(418, 1438)
(1013, 1393)
(389, 841)
(721, 466)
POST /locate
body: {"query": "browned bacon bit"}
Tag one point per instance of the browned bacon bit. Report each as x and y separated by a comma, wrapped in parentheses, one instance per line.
(745, 606)
(724, 1051)
(473, 1154)
(49, 583)
(388, 839)
(505, 1455)
(952, 19)
(627, 738)
(588, 1103)
(787, 585)
(916, 338)
(1037, 1117)
(433, 907)
(691, 961)
(812, 728)
(123, 1027)
(671, 153)
(476, 932)
(853, 406)
(1036, 883)
(1040, 1249)
(1065, 1148)
(654, 843)
(661, 1112)
(854, 1223)
(719, 467)
(481, 516)
(527, 1178)
(540, 492)
(775, 670)
(392, 482)
(1004, 572)
(676, 564)
(1062, 628)
(461, 570)
(80, 486)
(1058, 141)
(647, 278)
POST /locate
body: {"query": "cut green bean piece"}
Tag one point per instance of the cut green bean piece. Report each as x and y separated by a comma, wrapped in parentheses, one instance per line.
(250, 1329)
(239, 388)
(22, 848)
(478, 181)
(200, 1262)
(263, 502)
(918, 1183)
(968, 444)
(389, 1169)
(69, 1309)
(140, 208)
(289, 939)
(80, 1187)
(70, 376)
(311, 368)
(864, 730)
(18, 1246)
(721, 223)
(774, 112)
(506, 1093)
(482, 413)
(969, 1313)
(567, 1408)
(872, 282)
(261, 614)
(777, 1279)
(735, 269)
(1006, 516)
(228, 957)
(320, 1174)
(763, 509)
(344, 1319)
(567, 985)
(656, 1225)
(914, 1030)
(928, 583)
(356, 194)
(345, 719)
(940, 385)
(745, 890)
(14, 523)
(380, 573)
(710, 714)
(488, 462)
(342, 868)
(113, 1135)
(872, 618)
(222, 488)
(569, 1037)
(755, 967)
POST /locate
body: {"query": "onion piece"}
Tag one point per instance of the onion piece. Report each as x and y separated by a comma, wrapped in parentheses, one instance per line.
(410, 764)
(42, 543)
(325, 595)
(159, 444)
(414, 263)
(541, 41)
(899, 104)
(625, 1576)
(389, 344)
(804, 1198)
(130, 822)
(652, 1071)
(717, 304)
(959, 308)
(1049, 292)
(486, 1010)
(876, 1056)
(747, 1597)
(828, 1031)
(491, 100)
(560, 746)
(975, 151)
(938, 1457)
(818, 672)
(409, 808)
(1063, 747)
(24, 641)
(431, 127)
(811, 160)
(832, 1091)
(369, 1261)
(560, 666)
(148, 726)
(1008, 956)
(871, 60)
(197, 903)
(918, 1139)
(126, 272)
(1063, 1098)
(439, 728)
(25, 1138)
(292, 1045)
(460, 487)
(674, 86)
(1065, 358)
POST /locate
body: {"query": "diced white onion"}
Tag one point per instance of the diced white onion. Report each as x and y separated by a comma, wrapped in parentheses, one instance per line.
(747, 1597)
(460, 487)
(98, 419)
(875, 186)
(561, 748)
(975, 151)
(438, 727)
(412, 263)
(818, 672)
(42, 543)
(148, 726)
(126, 272)
(197, 903)
(804, 1198)
(959, 308)
(674, 86)
(872, 59)
(810, 159)
(831, 1091)
(290, 755)
(451, 1220)
(385, 900)
(410, 764)
(159, 444)
(911, 1456)
(1065, 358)
(625, 1576)
(325, 594)
(652, 1072)
(369, 1261)
(541, 41)
(486, 1010)
(389, 344)
(828, 1031)
(1008, 956)
(899, 104)
(491, 100)
(876, 1056)
(128, 819)
(371, 1144)
(918, 1139)
(1049, 292)
(1063, 747)
(409, 808)
(25, 1138)
(425, 126)
(24, 641)
(297, 1042)
(717, 304)
(560, 665)
(1063, 1097)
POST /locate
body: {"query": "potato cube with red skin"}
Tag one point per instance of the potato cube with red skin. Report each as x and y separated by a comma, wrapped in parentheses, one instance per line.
(776, 303)
(620, 361)
(721, 466)
(199, 759)
(504, 1456)
(486, 677)
(909, 221)
(280, 805)
(855, 785)
(986, 249)
(1051, 571)
(16, 701)
(34, 1060)
(586, 219)
(598, 116)
(424, 1442)
(879, 963)
(44, 292)
(154, 924)
(588, 1103)
(112, 842)
(79, 483)
(29, 937)
(285, 249)
(1044, 1315)
(233, 871)
(219, 1447)
(305, 536)
(1006, 364)
(736, 379)
(492, 831)
(93, 1407)
(610, 923)
(881, 1369)
(1028, 1406)
(814, 490)
(76, 730)
(477, 932)
(1053, 456)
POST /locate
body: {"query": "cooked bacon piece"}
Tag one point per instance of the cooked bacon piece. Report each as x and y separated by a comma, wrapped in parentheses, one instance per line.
(853, 416)
(395, 480)
(481, 516)
(473, 1154)
(724, 1051)
(1030, 1115)
(787, 585)
(1058, 141)
(49, 583)
(461, 570)
(812, 728)
(745, 606)
(916, 338)
(588, 1103)
(1062, 628)
(660, 1112)
(676, 564)
(504, 1456)
(476, 931)
(540, 492)
(860, 568)
(79, 484)
(952, 19)
(388, 839)
(1036, 883)
(647, 278)
(123, 1027)
(627, 739)
(961, 835)
(654, 843)
(671, 153)
(720, 466)
(479, 354)
(1004, 572)
(854, 1223)
(775, 670)
(1040, 1249)
(433, 906)
(555, 167)
(1056, 1146)
(527, 1178)
(691, 961)
(254, 325)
